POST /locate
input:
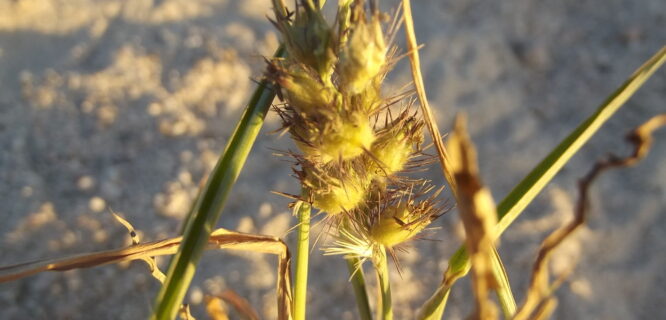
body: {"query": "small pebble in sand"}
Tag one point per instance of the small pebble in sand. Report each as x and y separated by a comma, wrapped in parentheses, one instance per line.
(97, 204)
(85, 183)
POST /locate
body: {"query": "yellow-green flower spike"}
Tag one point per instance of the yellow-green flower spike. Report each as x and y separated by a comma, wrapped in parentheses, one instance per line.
(364, 55)
(346, 139)
(393, 156)
(370, 101)
(305, 93)
(331, 137)
(335, 194)
(390, 155)
(398, 224)
(337, 199)
(395, 145)
(308, 38)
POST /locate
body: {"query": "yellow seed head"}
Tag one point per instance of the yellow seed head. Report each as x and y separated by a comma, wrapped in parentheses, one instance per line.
(308, 38)
(339, 138)
(370, 101)
(336, 194)
(397, 224)
(395, 145)
(305, 93)
(337, 199)
(363, 57)
(347, 139)
(393, 153)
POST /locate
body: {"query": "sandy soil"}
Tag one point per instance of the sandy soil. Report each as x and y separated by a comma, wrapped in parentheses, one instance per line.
(126, 105)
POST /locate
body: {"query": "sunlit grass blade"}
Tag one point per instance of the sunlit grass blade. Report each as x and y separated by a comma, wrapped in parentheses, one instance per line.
(504, 293)
(514, 203)
(360, 291)
(208, 208)
(302, 209)
(384, 305)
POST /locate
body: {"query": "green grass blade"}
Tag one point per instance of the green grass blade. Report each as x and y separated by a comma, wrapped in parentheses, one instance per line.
(302, 255)
(433, 309)
(360, 291)
(514, 203)
(384, 305)
(209, 205)
(504, 294)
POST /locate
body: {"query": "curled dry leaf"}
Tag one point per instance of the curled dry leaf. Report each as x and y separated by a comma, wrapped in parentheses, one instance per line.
(219, 239)
(539, 300)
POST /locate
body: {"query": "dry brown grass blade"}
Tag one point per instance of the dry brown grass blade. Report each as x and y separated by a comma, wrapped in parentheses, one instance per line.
(477, 211)
(428, 116)
(219, 239)
(540, 290)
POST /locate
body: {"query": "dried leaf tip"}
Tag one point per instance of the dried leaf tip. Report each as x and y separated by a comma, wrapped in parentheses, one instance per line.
(477, 211)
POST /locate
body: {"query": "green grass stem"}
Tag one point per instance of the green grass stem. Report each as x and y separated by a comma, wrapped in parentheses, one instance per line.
(360, 291)
(302, 255)
(208, 207)
(384, 306)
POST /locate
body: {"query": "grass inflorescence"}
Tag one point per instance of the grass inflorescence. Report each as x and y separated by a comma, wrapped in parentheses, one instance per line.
(352, 142)
(351, 145)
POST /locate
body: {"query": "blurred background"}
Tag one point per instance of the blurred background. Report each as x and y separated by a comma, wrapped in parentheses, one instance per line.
(126, 105)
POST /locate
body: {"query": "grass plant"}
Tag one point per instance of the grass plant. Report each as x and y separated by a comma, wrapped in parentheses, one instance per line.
(356, 149)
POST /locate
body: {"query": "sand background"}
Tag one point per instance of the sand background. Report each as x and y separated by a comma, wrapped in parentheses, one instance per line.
(127, 105)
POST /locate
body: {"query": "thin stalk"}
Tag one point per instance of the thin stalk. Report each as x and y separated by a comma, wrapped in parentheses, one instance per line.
(504, 293)
(428, 115)
(384, 308)
(208, 207)
(302, 256)
(360, 292)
